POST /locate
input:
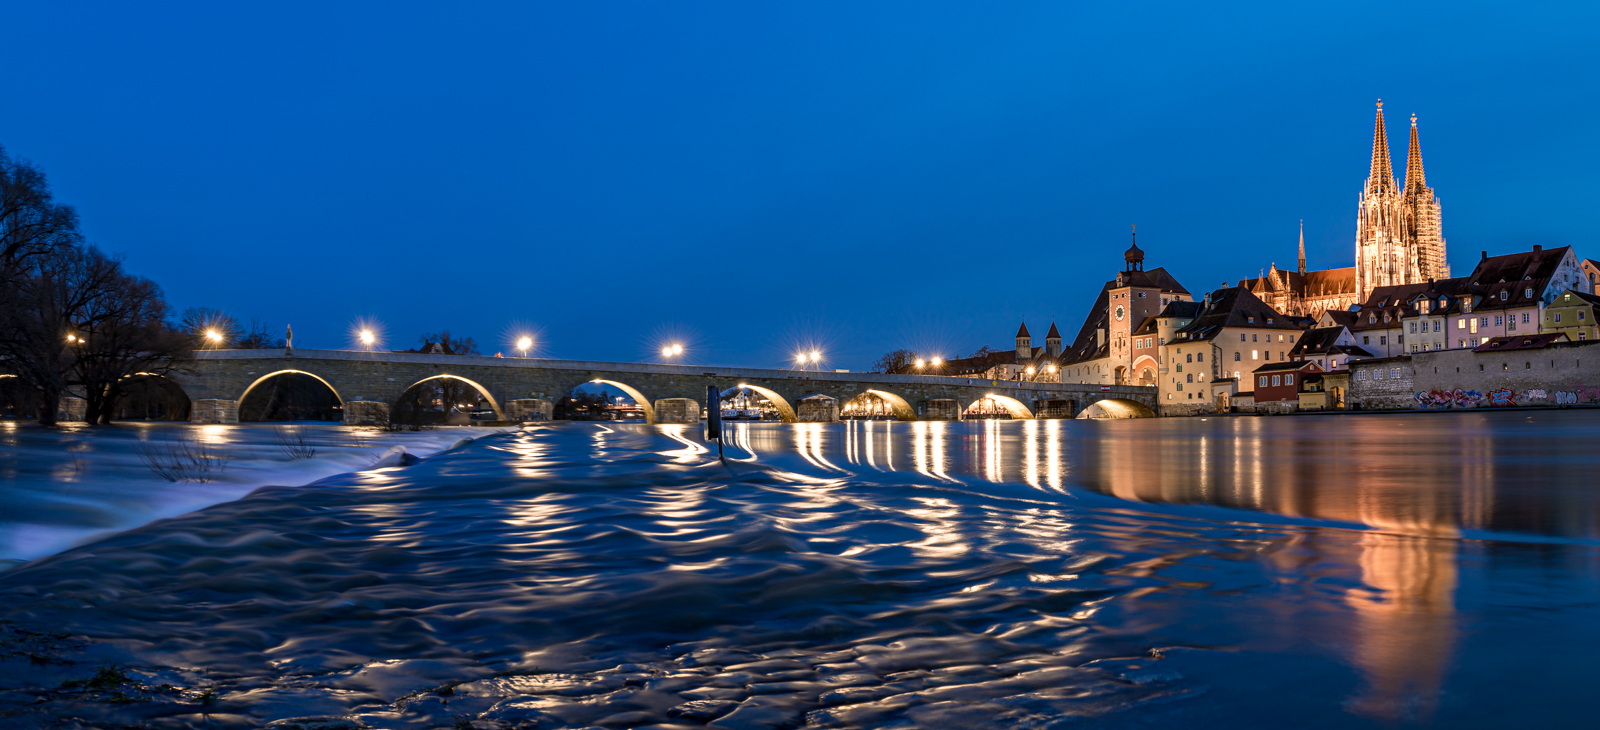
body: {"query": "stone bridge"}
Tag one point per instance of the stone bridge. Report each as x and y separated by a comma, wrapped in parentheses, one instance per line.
(367, 383)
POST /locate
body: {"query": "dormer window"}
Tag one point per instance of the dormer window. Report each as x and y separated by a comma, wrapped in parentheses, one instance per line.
(1528, 292)
(1385, 317)
(1504, 295)
(1251, 320)
(1372, 319)
(1269, 320)
(1444, 303)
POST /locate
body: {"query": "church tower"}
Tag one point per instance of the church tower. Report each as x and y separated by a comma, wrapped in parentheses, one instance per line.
(1024, 344)
(1385, 255)
(1422, 213)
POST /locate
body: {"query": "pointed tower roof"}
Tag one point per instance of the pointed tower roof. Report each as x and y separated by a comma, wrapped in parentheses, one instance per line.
(1382, 175)
(1023, 331)
(1415, 177)
(1053, 334)
(1302, 247)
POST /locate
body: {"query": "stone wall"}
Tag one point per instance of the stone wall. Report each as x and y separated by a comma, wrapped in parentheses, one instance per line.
(941, 409)
(72, 409)
(363, 413)
(1561, 374)
(818, 409)
(677, 410)
(1189, 408)
(530, 409)
(1382, 384)
(213, 410)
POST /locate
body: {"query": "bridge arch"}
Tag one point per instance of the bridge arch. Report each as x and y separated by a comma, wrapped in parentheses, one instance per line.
(1117, 408)
(1012, 405)
(644, 403)
(498, 412)
(902, 409)
(135, 392)
(785, 409)
(271, 375)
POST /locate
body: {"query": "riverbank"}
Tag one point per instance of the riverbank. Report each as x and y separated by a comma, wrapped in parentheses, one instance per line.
(65, 486)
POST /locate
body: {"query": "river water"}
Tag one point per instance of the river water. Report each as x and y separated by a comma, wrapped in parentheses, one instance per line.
(1318, 572)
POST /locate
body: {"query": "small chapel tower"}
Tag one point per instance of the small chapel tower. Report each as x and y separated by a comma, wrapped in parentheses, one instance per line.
(1024, 344)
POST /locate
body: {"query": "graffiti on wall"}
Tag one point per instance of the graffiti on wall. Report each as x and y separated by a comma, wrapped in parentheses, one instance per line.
(1505, 397)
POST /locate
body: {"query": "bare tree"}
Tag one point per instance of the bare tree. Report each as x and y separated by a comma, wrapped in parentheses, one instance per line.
(258, 337)
(121, 331)
(896, 361)
(209, 328)
(31, 222)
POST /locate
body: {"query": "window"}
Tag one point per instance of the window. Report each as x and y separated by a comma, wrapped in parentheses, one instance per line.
(1361, 375)
(1241, 337)
(1141, 295)
(1525, 317)
(1377, 375)
(1497, 322)
(1180, 367)
(1504, 295)
(1255, 354)
(1528, 292)
(1583, 335)
(1288, 379)
(1436, 324)
(1283, 355)
(1263, 382)
(1236, 357)
(1480, 367)
(1461, 324)
(1558, 316)
(1250, 319)
(1189, 379)
(1366, 340)
(1199, 357)
(1527, 366)
(1253, 338)
(1276, 380)
(1383, 339)
(1394, 372)
(1513, 324)
(1188, 358)
(1580, 315)
(1385, 317)
(1236, 375)
(1413, 328)
(1414, 347)
(1180, 386)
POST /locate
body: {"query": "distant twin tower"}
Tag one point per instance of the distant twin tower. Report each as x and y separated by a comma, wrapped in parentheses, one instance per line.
(1398, 235)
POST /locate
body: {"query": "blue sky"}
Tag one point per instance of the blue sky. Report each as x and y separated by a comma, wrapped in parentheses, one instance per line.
(750, 179)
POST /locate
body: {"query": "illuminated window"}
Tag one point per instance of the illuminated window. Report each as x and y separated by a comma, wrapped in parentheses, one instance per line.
(1288, 379)
(1255, 354)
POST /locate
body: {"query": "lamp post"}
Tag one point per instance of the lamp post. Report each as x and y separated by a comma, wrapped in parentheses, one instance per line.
(367, 338)
(524, 344)
(671, 351)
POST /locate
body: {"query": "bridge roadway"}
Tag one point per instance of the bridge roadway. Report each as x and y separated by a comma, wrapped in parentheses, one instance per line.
(367, 383)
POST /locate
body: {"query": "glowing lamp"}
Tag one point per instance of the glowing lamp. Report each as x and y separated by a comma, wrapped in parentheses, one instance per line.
(937, 361)
(524, 343)
(213, 335)
(367, 338)
(815, 356)
(919, 362)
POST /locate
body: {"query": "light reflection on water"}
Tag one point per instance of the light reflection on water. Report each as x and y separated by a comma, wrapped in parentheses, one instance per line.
(1223, 572)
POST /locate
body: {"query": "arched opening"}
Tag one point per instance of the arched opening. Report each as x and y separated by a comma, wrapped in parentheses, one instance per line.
(1147, 376)
(290, 395)
(149, 397)
(1116, 408)
(1224, 402)
(748, 403)
(994, 406)
(902, 410)
(1121, 375)
(784, 407)
(867, 407)
(446, 399)
(604, 400)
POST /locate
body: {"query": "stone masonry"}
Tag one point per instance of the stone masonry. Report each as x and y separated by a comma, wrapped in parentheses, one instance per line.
(677, 410)
(382, 377)
(530, 409)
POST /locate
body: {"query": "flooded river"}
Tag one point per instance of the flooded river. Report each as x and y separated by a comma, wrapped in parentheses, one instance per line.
(1317, 572)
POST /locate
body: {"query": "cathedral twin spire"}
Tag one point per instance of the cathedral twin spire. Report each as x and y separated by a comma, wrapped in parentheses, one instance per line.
(1398, 239)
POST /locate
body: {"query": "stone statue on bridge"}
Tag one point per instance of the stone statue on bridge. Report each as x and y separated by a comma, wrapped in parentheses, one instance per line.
(288, 337)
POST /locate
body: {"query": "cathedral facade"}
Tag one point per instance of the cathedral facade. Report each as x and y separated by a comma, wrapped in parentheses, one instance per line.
(1399, 240)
